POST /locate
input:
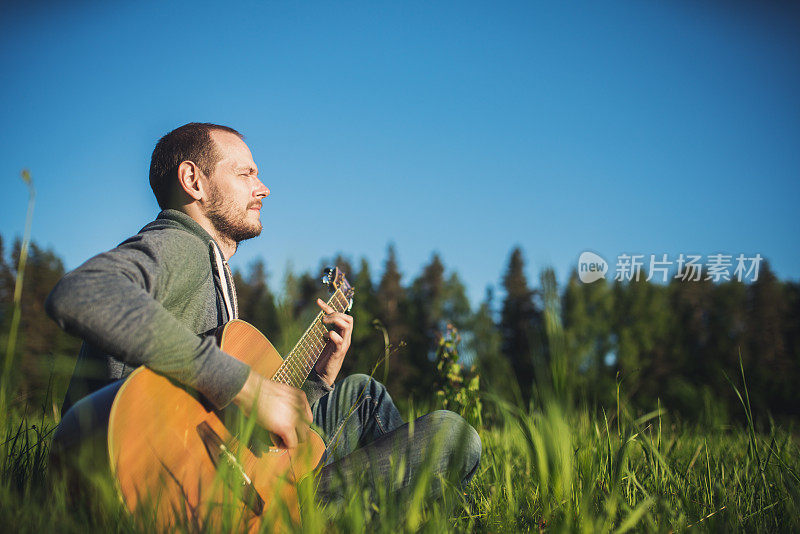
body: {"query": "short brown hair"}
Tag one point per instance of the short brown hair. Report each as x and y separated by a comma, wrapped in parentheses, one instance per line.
(190, 142)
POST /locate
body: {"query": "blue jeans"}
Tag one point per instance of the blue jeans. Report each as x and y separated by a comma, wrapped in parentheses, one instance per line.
(366, 437)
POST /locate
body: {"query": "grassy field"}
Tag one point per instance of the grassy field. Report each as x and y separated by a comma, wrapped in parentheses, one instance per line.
(546, 469)
(549, 466)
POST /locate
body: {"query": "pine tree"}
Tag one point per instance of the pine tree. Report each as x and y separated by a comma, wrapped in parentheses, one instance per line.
(587, 311)
(725, 338)
(484, 348)
(520, 323)
(392, 299)
(792, 337)
(456, 308)
(435, 301)
(367, 342)
(426, 304)
(691, 341)
(256, 301)
(46, 354)
(642, 326)
(294, 308)
(770, 365)
(393, 314)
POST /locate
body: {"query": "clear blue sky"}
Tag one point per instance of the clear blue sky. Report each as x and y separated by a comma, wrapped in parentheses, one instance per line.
(463, 128)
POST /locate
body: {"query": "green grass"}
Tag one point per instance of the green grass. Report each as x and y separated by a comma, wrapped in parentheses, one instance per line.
(549, 468)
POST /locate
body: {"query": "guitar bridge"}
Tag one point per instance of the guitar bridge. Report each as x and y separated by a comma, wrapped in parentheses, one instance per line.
(217, 450)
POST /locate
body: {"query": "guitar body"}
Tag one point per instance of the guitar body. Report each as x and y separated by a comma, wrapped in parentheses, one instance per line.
(167, 446)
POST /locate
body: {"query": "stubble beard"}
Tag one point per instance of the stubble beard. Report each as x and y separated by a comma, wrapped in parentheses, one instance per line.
(229, 220)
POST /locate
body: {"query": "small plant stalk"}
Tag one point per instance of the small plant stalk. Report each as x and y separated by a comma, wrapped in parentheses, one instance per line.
(17, 311)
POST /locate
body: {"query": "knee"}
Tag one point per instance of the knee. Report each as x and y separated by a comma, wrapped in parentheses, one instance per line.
(464, 443)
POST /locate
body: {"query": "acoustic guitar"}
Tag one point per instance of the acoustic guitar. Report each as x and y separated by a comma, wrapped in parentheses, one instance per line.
(170, 450)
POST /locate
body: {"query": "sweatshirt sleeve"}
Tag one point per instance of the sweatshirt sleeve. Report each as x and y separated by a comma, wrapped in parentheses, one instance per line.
(315, 388)
(113, 301)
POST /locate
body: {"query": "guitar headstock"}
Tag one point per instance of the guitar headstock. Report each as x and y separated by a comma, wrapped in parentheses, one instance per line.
(336, 280)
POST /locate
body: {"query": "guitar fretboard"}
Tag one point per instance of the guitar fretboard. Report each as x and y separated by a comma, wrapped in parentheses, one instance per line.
(301, 359)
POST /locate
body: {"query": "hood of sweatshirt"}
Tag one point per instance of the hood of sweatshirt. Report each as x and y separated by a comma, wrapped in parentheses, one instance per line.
(223, 276)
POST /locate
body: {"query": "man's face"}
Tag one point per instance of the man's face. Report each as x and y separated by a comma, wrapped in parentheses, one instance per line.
(234, 190)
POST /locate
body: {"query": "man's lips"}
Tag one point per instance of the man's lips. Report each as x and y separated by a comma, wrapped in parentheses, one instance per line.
(255, 206)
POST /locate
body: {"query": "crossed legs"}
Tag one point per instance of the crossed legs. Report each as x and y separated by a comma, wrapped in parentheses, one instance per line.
(366, 437)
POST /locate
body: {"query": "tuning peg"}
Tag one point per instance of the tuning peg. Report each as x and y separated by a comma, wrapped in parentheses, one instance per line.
(326, 279)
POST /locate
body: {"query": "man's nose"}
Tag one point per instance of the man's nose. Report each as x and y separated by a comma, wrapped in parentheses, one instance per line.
(261, 190)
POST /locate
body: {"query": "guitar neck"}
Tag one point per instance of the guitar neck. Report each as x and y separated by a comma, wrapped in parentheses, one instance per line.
(301, 359)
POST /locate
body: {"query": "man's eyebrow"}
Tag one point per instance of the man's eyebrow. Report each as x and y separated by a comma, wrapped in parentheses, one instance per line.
(250, 170)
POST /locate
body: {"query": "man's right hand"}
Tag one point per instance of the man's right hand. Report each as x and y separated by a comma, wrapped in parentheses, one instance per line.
(281, 409)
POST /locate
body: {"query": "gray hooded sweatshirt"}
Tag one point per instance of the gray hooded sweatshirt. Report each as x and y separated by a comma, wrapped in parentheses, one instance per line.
(149, 302)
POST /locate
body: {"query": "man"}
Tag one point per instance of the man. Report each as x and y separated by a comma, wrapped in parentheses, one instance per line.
(148, 302)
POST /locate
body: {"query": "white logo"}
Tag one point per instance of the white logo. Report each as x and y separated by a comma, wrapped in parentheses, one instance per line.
(591, 267)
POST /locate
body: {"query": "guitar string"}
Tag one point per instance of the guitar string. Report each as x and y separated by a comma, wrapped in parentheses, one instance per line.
(315, 344)
(295, 368)
(318, 343)
(299, 364)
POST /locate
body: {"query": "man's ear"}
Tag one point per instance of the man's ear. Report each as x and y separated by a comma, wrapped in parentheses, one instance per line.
(189, 180)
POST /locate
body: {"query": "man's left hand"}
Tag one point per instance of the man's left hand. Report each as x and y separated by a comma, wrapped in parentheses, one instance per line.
(330, 362)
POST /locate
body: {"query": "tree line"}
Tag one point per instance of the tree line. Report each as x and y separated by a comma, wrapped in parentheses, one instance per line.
(676, 344)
